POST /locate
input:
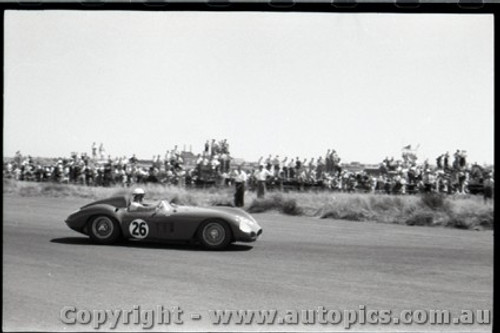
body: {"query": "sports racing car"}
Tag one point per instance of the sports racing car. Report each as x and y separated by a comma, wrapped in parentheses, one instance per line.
(106, 221)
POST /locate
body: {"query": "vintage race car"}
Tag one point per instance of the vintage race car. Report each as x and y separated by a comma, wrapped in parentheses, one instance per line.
(108, 220)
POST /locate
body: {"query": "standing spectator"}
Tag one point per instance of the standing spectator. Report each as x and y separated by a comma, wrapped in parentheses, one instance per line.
(291, 169)
(65, 175)
(175, 152)
(462, 161)
(261, 176)
(9, 170)
(94, 151)
(320, 167)
(446, 161)
(276, 164)
(456, 158)
(213, 148)
(181, 174)
(461, 176)
(85, 158)
(89, 175)
(173, 158)
(285, 167)
(101, 151)
(312, 165)
(439, 161)
(207, 147)
(298, 165)
(240, 178)
(199, 159)
(268, 162)
(17, 173)
(301, 178)
(18, 158)
(205, 160)
(225, 147)
(426, 164)
(179, 161)
(215, 163)
(488, 184)
(224, 161)
(304, 163)
(328, 162)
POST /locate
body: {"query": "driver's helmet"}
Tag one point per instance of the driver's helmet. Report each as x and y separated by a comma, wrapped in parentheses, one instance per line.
(138, 192)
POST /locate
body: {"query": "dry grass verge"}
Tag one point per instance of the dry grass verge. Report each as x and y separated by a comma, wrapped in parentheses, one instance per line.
(463, 212)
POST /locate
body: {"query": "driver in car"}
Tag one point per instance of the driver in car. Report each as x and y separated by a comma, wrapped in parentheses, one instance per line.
(137, 204)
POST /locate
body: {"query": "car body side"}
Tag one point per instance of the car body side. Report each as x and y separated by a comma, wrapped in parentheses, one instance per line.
(181, 223)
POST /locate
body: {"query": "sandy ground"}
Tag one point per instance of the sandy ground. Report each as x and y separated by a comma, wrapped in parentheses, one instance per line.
(300, 263)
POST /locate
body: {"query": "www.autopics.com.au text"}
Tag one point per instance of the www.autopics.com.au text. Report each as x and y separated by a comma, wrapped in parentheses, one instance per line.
(160, 315)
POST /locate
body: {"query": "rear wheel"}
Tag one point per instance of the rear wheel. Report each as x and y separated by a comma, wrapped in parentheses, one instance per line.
(214, 235)
(104, 229)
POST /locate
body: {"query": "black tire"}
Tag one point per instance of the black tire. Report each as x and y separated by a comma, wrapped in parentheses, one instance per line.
(104, 229)
(214, 235)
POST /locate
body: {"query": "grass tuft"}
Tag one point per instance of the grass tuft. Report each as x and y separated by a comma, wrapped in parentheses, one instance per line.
(421, 218)
(290, 207)
(435, 201)
(276, 202)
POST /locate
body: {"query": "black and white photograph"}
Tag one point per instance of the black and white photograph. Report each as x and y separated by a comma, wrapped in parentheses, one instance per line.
(247, 170)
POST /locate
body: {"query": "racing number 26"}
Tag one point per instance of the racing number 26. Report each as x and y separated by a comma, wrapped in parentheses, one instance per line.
(139, 228)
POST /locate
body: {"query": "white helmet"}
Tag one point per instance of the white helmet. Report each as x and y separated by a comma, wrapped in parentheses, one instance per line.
(138, 191)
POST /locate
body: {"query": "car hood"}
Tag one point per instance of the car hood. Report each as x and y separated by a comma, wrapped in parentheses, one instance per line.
(217, 209)
(118, 202)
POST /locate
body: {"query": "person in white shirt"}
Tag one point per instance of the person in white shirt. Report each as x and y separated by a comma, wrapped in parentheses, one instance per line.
(261, 176)
(240, 178)
(276, 164)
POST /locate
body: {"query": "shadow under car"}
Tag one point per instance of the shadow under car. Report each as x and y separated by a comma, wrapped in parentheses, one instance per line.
(161, 245)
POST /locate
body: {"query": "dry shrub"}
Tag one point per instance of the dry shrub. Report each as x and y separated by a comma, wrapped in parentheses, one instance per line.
(420, 218)
(290, 207)
(435, 201)
(275, 202)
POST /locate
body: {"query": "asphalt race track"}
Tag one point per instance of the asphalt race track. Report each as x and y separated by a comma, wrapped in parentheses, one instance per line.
(299, 263)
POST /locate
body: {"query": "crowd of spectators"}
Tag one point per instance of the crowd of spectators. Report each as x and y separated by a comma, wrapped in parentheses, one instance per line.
(81, 169)
(213, 167)
(390, 176)
(101, 170)
(214, 160)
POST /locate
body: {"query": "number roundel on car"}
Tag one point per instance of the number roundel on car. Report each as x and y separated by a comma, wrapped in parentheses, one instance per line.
(138, 229)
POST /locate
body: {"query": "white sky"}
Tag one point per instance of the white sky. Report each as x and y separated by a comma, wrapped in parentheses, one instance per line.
(293, 84)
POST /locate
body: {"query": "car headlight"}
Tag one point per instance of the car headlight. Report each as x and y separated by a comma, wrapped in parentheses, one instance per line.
(245, 227)
(245, 219)
(245, 224)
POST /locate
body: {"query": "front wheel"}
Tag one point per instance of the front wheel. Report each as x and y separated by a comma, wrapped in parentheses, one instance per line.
(214, 235)
(104, 230)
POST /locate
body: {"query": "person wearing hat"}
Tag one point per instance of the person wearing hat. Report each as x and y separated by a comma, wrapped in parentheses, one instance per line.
(137, 204)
